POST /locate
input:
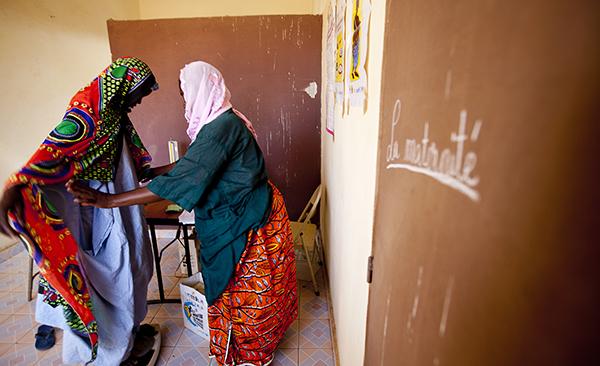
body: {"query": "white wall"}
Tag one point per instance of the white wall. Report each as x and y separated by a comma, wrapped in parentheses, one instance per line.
(154, 9)
(50, 49)
(348, 174)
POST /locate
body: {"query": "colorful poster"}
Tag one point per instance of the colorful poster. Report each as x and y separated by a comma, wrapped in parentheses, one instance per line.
(330, 52)
(340, 54)
(361, 11)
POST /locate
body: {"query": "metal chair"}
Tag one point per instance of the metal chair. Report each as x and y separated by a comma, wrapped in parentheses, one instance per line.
(307, 237)
(30, 277)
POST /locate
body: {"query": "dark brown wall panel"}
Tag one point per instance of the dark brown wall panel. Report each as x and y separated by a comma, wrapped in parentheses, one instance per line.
(492, 261)
(267, 62)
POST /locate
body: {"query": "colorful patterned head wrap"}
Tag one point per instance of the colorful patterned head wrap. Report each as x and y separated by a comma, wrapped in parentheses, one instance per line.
(84, 145)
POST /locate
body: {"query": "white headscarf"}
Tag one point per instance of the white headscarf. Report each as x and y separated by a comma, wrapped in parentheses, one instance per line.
(206, 96)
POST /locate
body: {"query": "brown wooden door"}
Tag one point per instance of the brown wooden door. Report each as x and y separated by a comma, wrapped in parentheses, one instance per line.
(486, 243)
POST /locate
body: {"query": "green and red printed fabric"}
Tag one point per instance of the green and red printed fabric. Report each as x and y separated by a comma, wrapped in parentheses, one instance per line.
(84, 145)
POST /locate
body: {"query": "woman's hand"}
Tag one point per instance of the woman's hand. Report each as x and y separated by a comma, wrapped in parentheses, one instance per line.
(87, 196)
(150, 174)
(11, 200)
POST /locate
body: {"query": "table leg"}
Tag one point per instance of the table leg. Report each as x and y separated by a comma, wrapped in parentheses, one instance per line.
(161, 291)
(186, 244)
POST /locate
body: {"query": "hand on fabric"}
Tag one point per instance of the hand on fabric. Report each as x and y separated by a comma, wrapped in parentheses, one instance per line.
(11, 200)
(87, 196)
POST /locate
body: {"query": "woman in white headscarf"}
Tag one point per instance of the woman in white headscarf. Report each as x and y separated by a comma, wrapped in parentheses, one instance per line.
(247, 252)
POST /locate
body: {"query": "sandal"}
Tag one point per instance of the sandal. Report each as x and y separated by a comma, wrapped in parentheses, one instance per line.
(146, 346)
(147, 330)
(139, 361)
(44, 338)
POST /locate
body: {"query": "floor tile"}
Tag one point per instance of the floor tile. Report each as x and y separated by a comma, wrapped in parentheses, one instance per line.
(191, 339)
(313, 307)
(316, 357)
(148, 320)
(290, 340)
(11, 301)
(171, 330)
(154, 295)
(5, 347)
(13, 282)
(164, 356)
(26, 307)
(29, 337)
(153, 310)
(17, 264)
(321, 282)
(307, 290)
(15, 327)
(23, 355)
(174, 294)
(189, 356)
(170, 311)
(314, 333)
(10, 252)
(286, 357)
(58, 333)
(52, 357)
(169, 283)
(171, 265)
(151, 313)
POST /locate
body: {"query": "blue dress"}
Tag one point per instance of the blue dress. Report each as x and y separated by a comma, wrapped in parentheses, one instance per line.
(116, 255)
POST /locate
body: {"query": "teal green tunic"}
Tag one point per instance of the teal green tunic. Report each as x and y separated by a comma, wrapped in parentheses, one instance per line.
(222, 177)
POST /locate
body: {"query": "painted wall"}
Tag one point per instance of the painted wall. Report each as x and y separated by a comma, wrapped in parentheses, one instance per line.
(50, 49)
(53, 56)
(155, 9)
(348, 174)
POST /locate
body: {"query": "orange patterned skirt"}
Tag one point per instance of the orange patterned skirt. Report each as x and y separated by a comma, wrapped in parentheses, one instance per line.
(250, 318)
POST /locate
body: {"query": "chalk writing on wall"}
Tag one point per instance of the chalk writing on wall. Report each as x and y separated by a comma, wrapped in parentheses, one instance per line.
(452, 167)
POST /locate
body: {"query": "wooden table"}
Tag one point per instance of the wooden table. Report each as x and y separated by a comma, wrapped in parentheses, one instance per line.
(156, 216)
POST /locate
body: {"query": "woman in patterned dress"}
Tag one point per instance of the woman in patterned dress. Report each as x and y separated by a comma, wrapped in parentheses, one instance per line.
(247, 254)
(95, 264)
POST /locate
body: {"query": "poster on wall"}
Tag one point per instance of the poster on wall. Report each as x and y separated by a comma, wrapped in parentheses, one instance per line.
(330, 52)
(361, 12)
(340, 54)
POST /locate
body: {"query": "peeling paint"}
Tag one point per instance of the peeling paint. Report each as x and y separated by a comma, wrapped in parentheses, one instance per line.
(311, 89)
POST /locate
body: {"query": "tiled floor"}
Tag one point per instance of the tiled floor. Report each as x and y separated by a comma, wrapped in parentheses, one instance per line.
(307, 343)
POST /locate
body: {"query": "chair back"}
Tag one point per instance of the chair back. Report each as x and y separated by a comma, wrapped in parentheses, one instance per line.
(311, 207)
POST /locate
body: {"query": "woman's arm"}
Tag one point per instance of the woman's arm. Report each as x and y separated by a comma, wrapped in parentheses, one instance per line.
(87, 196)
(158, 171)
